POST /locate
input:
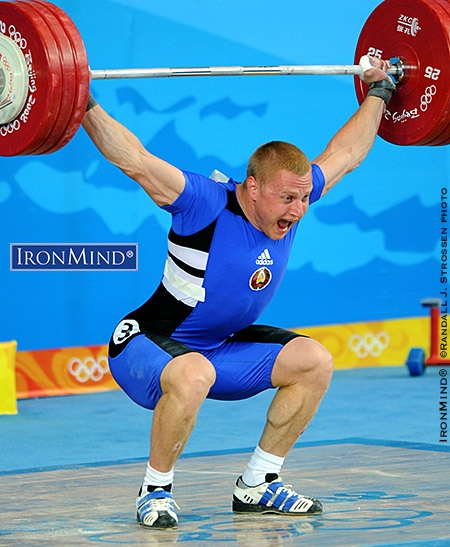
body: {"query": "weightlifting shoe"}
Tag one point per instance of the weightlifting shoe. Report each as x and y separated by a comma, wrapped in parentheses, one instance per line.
(273, 497)
(155, 507)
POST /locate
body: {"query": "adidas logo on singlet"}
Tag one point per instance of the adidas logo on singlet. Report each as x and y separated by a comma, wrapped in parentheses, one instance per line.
(264, 259)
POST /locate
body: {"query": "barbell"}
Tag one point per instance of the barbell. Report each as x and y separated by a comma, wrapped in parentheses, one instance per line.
(45, 76)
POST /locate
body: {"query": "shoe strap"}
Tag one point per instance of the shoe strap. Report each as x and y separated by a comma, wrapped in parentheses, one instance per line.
(158, 495)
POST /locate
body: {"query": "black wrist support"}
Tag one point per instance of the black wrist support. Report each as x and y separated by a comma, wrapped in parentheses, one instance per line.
(91, 102)
(382, 89)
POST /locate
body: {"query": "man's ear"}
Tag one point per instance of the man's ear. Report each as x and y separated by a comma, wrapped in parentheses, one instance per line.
(252, 188)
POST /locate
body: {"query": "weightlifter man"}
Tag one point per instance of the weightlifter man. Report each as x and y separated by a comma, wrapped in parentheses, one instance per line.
(195, 337)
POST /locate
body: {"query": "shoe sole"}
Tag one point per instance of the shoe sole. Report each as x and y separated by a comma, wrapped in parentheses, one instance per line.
(249, 508)
(161, 523)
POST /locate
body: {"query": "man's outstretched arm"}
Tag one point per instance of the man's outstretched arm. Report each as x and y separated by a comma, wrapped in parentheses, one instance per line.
(351, 144)
(162, 181)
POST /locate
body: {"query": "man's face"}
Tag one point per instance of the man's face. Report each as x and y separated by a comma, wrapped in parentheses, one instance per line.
(280, 202)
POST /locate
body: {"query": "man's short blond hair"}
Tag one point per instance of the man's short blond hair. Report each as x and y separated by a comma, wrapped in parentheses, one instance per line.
(275, 156)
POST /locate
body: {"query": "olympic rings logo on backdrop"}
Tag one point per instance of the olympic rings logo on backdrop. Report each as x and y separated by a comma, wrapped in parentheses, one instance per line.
(369, 344)
(88, 369)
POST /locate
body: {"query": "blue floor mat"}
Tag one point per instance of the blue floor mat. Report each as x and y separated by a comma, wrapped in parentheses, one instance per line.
(371, 403)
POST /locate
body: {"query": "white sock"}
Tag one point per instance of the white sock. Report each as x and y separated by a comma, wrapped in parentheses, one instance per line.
(156, 478)
(259, 465)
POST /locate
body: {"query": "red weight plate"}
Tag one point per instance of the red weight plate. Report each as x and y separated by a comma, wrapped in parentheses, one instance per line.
(33, 125)
(69, 82)
(82, 73)
(15, 81)
(444, 137)
(417, 32)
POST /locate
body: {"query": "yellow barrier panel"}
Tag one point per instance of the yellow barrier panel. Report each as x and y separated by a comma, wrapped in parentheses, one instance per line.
(63, 371)
(372, 343)
(8, 399)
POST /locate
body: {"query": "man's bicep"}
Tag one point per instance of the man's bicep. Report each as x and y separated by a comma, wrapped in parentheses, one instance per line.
(333, 167)
(162, 181)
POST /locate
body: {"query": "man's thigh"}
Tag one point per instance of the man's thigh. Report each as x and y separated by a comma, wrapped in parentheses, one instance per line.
(138, 367)
(244, 363)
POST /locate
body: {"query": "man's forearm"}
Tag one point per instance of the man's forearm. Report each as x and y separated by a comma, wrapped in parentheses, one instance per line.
(355, 139)
(351, 144)
(114, 141)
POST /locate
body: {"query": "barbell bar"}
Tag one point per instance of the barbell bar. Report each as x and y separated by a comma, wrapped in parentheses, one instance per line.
(45, 75)
(277, 70)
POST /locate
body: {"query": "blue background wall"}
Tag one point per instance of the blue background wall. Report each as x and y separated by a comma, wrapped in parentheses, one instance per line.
(369, 250)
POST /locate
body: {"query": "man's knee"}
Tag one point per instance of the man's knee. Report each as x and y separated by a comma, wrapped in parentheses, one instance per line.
(322, 359)
(190, 376)
(304, 360)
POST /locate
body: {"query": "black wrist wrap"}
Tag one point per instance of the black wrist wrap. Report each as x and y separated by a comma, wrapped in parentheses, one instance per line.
(382, 89)
(91, 102)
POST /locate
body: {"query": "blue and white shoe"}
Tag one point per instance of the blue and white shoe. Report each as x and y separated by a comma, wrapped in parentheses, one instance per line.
(155, 507)
(273, 497)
